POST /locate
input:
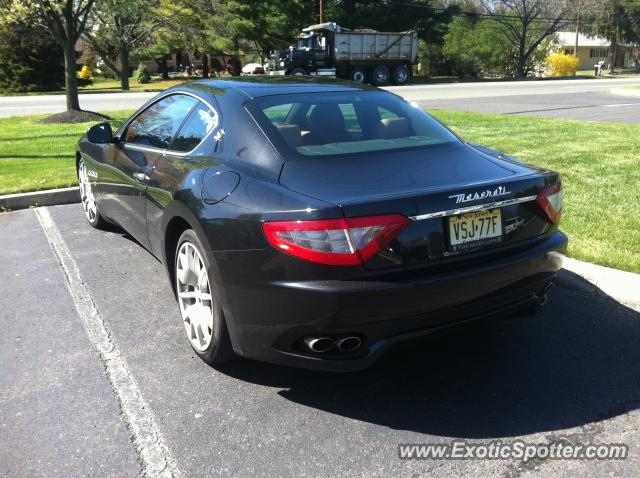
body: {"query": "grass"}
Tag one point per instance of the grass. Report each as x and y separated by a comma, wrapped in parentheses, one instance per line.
(605, 73)
(106, 85)
(599, 163)
(600, 167)
(36, 156)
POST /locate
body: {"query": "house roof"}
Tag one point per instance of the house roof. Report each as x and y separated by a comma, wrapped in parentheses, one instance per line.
(569, 39)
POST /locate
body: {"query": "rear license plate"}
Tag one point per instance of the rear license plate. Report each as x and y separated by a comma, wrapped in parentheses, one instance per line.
(476, 229)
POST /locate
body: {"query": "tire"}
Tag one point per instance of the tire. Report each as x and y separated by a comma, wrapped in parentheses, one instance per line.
(401, 75)
(358, 75)
(298, 72)
(199, 302)
(87, 198)
(379, 75)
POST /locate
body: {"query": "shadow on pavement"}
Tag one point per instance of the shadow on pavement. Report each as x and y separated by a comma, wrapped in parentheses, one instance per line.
(575, 363)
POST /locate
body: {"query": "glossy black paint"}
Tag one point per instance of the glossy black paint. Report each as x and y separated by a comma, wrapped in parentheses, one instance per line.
(236, 179)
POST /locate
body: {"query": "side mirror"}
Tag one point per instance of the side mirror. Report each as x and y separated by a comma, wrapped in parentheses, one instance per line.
(100, 133)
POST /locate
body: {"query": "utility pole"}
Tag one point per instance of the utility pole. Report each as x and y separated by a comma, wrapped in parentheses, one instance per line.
(321, 11)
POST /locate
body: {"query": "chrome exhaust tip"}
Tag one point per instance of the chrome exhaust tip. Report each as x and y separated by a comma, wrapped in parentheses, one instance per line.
(319, 344)
(349, 344)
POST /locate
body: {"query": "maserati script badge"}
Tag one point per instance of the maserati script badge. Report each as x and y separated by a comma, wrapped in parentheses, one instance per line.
(488, 193)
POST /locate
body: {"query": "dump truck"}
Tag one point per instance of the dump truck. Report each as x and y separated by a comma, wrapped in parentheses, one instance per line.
(363, 56)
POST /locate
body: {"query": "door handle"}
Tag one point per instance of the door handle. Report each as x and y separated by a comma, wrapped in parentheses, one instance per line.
(141, 177)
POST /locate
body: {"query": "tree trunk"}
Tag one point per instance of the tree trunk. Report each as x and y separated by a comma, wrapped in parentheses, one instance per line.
(164, 68)
(70, 76)
(205, 66)
(522, 59)
(124, 68)
(522, 63)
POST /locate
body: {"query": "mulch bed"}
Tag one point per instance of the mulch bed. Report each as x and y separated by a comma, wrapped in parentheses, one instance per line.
(74, 117)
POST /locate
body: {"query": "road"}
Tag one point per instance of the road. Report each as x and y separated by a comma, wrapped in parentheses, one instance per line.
(572, 372)
(578, 99)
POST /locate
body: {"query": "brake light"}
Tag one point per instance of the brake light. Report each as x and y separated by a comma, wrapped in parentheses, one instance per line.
(338, 242)
(550, 200)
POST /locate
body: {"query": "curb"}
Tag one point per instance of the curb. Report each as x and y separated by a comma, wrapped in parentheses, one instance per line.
(49, 197)
(624, 92)
(622, 286)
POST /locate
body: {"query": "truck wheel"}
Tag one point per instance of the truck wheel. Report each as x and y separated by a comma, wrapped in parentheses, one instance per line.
(298, 72)
(400, 75)
(358, 74)
(380, 75)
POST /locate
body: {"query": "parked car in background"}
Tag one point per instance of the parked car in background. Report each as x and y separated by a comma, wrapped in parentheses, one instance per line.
(253, 69)
(317, 223)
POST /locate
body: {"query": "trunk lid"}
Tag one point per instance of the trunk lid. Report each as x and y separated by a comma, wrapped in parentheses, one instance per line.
(429, 186)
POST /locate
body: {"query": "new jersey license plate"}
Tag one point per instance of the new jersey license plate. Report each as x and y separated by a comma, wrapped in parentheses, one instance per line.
(476, 229)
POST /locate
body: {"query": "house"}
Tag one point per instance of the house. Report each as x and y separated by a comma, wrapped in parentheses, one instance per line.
(592, 50)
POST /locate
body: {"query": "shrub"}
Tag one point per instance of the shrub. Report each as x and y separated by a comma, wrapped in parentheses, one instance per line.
(84, 76)
(30, 60)
(559, 64)
(142, 75)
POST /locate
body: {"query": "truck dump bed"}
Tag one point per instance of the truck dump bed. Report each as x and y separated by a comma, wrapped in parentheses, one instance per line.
(371, 45)
(358, 46)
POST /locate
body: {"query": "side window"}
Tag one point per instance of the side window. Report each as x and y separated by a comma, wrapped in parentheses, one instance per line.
(156, 125)
(199, 124)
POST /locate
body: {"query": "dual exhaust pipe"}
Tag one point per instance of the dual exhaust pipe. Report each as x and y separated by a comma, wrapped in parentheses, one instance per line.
(320, 345)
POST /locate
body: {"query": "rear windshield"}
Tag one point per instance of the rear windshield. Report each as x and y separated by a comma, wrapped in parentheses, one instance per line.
(308, 125)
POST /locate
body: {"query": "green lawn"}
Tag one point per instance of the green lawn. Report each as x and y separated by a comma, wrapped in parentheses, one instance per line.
(106, 85)
(40, 156)
(600, 167)
(599, 162)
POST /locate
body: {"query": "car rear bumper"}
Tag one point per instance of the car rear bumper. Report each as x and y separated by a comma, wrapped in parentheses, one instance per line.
(268, 321)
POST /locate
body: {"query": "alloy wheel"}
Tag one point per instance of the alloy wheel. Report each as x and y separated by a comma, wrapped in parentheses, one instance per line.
(86, 194)
(194, 296)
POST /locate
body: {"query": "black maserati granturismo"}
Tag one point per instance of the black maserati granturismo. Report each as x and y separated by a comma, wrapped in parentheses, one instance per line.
(316, 223)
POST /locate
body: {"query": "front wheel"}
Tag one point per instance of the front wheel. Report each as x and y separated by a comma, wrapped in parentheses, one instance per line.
(87, 198)
(199, 302)
(298, 72)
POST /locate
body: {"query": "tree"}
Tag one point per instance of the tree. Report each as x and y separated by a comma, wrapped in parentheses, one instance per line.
(259, 26)
(527, 24)
(619, 22)
(120, 26)
(66, 20)
(30, 59)
(430, 18)
(477, 45)
(632, 32)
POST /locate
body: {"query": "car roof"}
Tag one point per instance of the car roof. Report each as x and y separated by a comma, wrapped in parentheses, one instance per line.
(255, 86)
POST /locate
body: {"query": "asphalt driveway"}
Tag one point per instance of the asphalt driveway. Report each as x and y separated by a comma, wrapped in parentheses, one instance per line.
(571, 372)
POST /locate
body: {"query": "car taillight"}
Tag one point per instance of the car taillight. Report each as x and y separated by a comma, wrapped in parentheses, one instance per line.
(339, 242)
(550, 200)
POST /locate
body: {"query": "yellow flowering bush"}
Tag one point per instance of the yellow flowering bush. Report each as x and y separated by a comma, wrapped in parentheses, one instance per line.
(85, 73)
(559, 64)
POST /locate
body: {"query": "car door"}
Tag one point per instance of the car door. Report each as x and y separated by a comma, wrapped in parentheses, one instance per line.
(192, 148)
(142, 143)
